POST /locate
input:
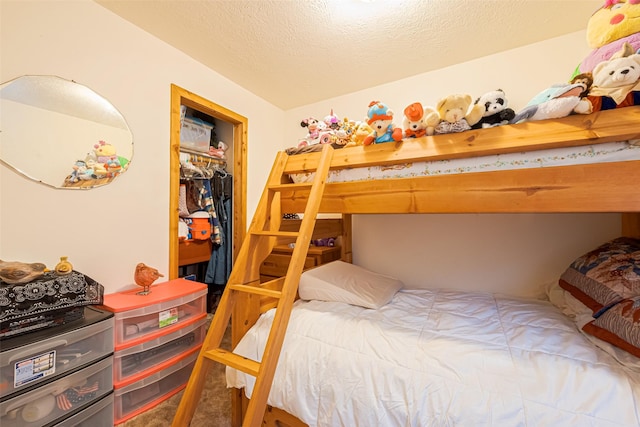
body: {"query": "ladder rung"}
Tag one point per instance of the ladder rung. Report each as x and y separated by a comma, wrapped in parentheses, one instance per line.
(233, 360)
(255, 290)
(275, 233)
(290, 186)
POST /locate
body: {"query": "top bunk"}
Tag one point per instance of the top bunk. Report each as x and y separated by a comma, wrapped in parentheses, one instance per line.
(578, 163)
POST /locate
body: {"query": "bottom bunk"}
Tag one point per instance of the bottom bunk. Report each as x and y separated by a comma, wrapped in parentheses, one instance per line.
(360, 350)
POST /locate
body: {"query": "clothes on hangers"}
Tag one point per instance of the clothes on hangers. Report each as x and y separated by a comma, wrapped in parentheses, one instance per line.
(221, 261)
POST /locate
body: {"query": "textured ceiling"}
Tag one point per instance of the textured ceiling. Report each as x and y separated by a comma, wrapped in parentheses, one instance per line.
(296, 52)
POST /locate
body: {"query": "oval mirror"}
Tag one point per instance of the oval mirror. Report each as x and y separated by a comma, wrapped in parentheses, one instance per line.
(61, 133)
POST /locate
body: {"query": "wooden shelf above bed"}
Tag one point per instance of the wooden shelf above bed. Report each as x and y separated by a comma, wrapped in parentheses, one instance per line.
(601, 187)
(576, 130)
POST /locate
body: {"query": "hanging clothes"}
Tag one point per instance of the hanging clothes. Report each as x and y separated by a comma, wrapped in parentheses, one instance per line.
(221, 261)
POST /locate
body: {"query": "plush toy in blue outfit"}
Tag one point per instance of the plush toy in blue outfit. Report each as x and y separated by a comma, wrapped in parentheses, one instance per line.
(380, 118)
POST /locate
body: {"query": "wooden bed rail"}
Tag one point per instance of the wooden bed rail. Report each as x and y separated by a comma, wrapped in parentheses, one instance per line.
(576, 130)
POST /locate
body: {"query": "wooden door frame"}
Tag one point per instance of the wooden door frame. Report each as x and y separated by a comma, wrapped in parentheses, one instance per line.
(180, 96)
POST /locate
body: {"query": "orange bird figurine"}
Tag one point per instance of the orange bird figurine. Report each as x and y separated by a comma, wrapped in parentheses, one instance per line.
(145, 276)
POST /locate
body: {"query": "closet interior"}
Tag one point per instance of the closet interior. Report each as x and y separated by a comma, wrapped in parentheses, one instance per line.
(207, 197)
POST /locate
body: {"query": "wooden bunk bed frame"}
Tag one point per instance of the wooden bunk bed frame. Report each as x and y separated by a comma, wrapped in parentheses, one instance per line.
(601, 187)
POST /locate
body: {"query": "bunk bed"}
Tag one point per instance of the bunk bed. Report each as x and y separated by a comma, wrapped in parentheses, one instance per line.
(611, 185)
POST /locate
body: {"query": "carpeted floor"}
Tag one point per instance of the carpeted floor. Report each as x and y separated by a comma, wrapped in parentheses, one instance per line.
(214, 409)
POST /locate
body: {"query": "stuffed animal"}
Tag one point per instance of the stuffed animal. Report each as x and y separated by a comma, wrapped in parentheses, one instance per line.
(457, 113)
(614, 24)
(311, 124)
(361, 131)
(559, 100)
(419, 121)
(332, 121)
(586, 80)
(496, 110)
(616, 82)
(316, 133)
(380, 118)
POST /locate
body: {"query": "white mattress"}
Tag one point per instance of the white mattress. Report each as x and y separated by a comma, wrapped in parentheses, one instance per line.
(442, 358)
(597, 153)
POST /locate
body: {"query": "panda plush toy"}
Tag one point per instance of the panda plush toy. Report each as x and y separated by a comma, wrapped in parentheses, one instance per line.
(496, 110)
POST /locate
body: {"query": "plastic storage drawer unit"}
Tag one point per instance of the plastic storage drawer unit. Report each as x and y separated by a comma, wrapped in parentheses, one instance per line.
(139, 318)
(57, 400)
(100, 414)
(33, 358)
(130, 364)
(142, 395)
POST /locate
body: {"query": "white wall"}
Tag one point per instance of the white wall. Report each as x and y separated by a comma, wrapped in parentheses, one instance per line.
(510, 253)
(106, 231)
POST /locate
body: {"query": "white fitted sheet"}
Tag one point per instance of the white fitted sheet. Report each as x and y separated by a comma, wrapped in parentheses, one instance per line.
(442, 358)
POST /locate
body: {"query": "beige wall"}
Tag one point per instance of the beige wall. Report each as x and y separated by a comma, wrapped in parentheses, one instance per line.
(510, 253)
(106, 231)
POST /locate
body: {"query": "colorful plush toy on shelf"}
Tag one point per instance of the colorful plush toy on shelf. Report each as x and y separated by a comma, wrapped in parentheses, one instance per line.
(419, 121)
(332, 121)
(616, 82)
(586, 80)
(496, 109)
(380, 118)
(361, 131)
(457, 113)
(615, 23)
(317, 133)
(559, 100)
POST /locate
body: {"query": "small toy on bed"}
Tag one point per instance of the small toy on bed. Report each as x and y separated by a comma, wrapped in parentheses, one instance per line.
(360, 132)
(457, 113)
(317, 133)
(343, 135)
(332, 121)
(559, 100)
(419, 121)
(614, 24)
(496, 109)
(616, 82)
(380, 118)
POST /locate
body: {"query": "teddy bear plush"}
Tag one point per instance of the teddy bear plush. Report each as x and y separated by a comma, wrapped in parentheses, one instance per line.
(616, 82)
(608, 29)
(380, 118)
(457, 113)
(419, 121)
(496, 110)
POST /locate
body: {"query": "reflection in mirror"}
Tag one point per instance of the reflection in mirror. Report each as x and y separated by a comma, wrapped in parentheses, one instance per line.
(61, 133)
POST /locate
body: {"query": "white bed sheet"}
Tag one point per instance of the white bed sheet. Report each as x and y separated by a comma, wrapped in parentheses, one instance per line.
(442, 358)
(596, 153)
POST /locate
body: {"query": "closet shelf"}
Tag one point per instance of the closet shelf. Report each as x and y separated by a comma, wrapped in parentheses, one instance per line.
(203, 156)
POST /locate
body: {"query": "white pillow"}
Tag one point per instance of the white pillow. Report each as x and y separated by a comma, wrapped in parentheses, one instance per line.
(344, 282)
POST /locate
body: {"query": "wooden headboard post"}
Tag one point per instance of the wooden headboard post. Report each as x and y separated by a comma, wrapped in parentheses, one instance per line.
(631, 224)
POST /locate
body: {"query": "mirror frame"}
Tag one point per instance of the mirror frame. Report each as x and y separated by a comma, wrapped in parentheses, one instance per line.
(180, 96)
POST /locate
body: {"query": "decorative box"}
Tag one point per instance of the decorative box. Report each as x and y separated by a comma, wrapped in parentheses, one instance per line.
(48, 301)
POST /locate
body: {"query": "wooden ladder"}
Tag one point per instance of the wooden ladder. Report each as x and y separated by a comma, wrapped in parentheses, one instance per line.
(245, 278)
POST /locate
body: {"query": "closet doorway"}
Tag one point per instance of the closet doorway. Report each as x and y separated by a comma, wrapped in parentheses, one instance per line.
(237, 167)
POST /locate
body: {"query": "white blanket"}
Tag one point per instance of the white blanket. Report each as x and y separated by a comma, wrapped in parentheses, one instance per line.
(442, 358)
